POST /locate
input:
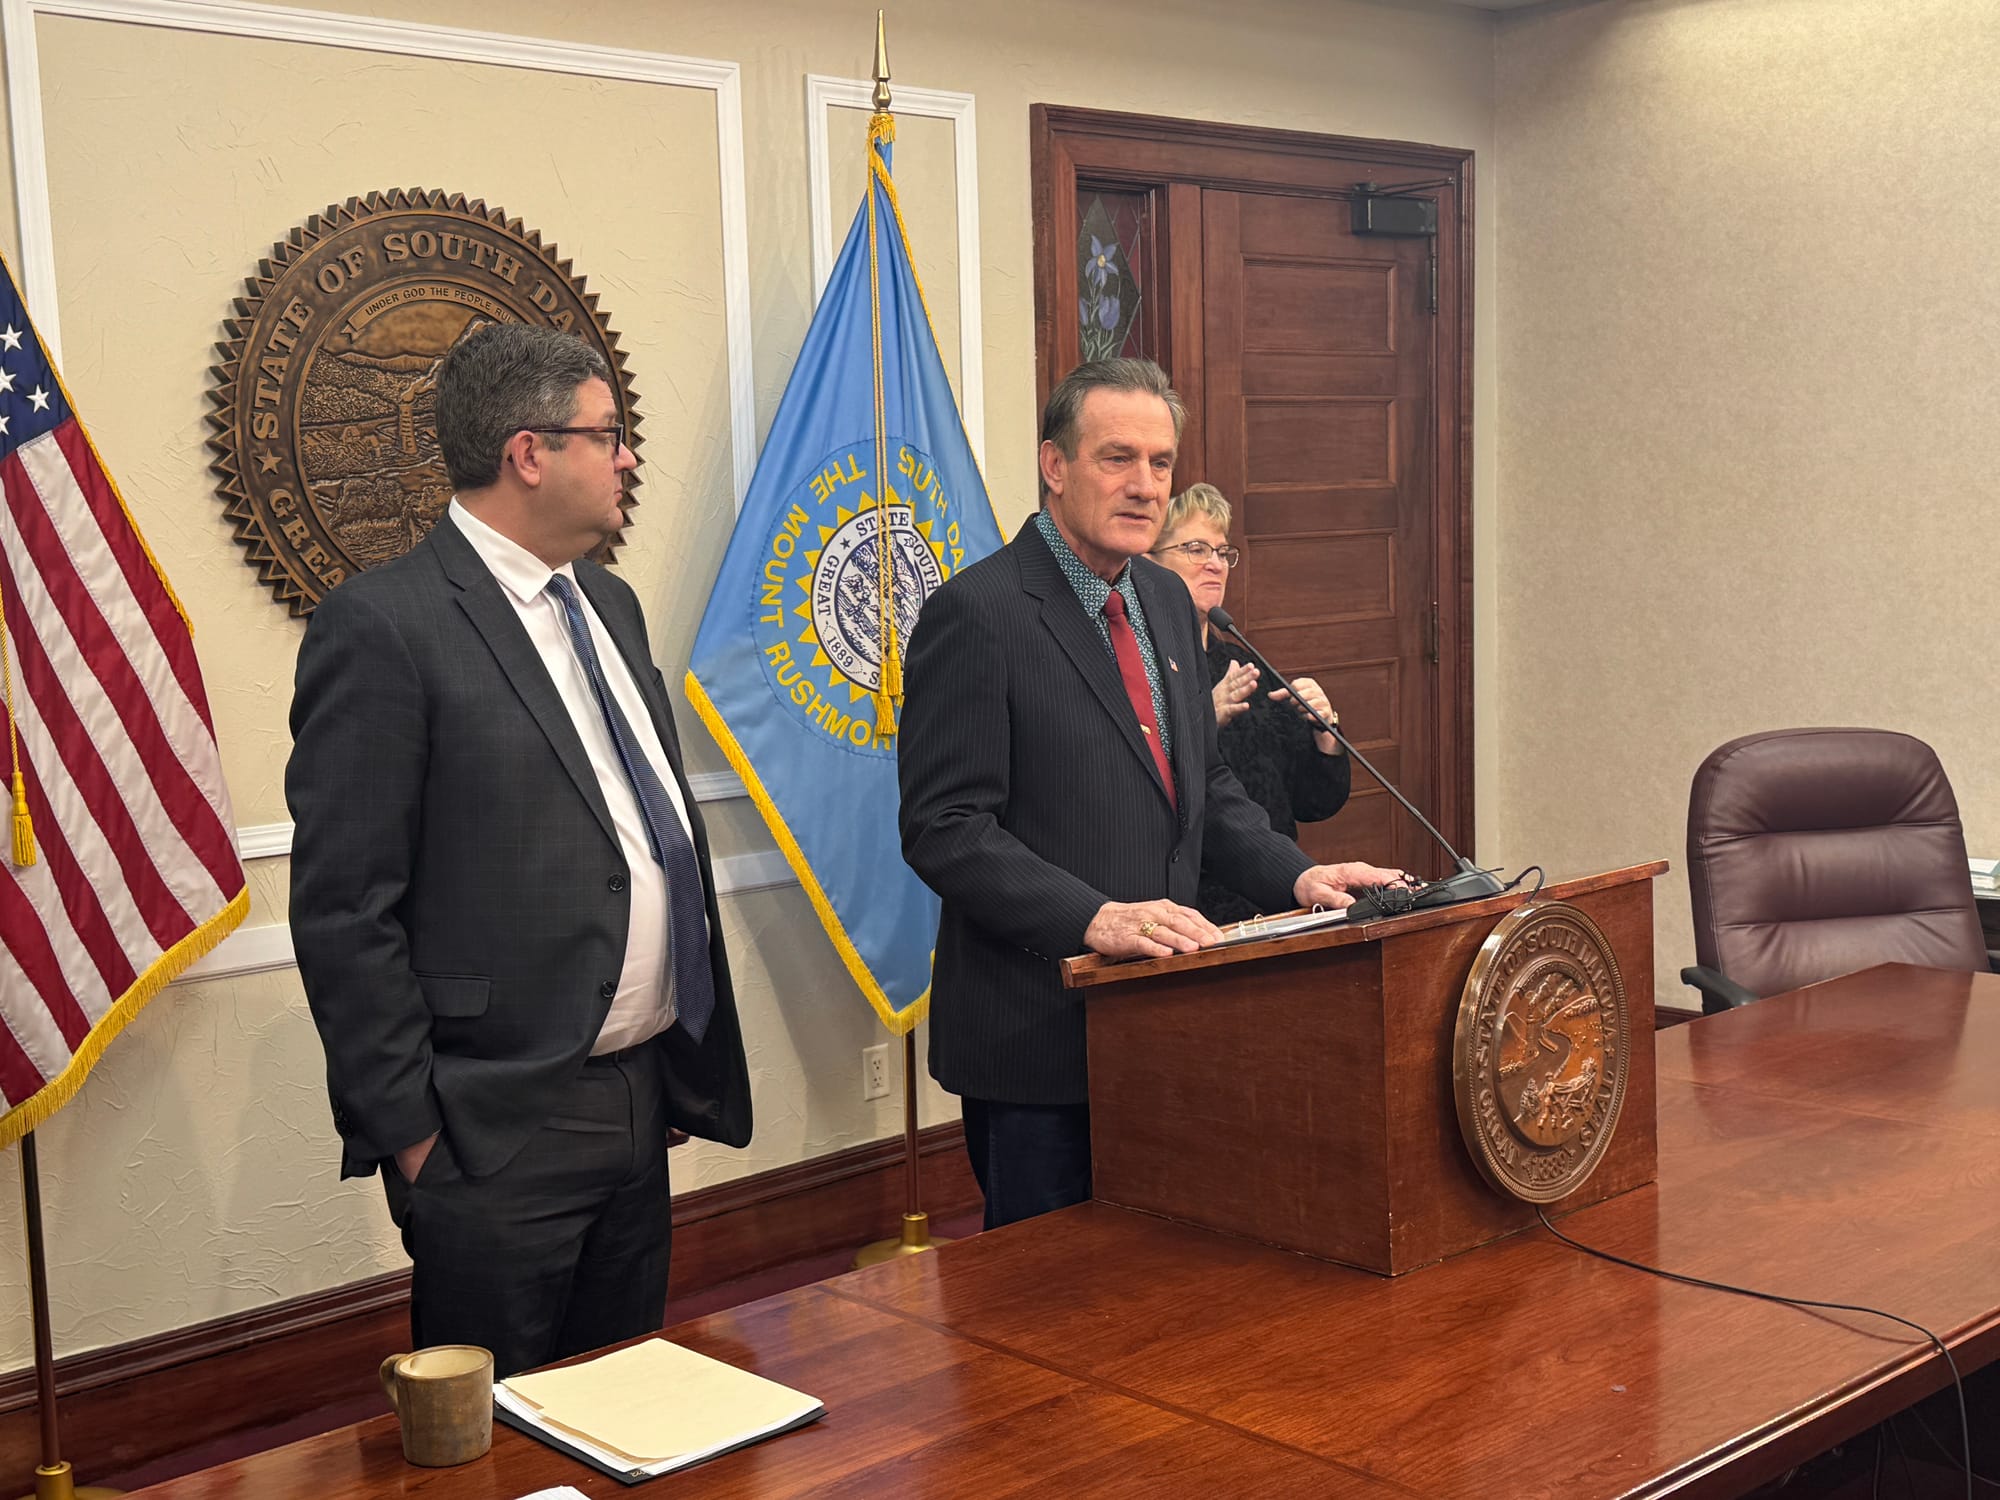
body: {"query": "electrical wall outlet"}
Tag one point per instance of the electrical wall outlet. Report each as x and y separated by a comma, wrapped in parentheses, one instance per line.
(875, 1071)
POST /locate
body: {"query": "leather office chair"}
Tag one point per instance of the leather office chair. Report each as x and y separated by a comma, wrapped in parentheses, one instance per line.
(1817, 852)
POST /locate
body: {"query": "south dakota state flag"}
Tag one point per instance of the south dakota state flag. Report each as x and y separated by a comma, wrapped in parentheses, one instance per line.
(797, 668)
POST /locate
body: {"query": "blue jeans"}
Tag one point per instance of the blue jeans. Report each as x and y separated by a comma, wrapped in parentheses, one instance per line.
(1029, 1158)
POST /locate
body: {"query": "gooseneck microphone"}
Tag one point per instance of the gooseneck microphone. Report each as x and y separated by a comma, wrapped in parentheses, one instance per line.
(1470, 882)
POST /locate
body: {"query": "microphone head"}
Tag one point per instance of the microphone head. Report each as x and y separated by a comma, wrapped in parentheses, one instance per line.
(1219, 618)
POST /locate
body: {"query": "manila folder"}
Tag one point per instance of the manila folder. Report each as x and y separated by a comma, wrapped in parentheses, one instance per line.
(661, 1405)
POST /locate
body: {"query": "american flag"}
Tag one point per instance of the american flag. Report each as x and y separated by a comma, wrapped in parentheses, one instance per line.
(123, 867)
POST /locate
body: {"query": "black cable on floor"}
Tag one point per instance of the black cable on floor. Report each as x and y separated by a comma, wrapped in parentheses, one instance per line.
(1938, 1443)
(1909, 1476)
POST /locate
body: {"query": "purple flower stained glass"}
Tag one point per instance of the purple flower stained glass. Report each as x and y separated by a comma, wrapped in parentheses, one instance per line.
(1108, 293)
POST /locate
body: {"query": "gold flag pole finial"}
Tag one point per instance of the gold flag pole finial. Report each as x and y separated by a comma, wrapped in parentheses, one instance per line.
(881, 64)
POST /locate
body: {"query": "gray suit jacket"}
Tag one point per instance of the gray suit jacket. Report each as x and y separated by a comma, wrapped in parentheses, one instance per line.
(459, 900)
(1029, 799)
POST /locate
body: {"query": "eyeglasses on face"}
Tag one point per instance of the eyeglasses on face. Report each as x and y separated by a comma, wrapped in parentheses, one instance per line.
(1199, 553)
(613, 430)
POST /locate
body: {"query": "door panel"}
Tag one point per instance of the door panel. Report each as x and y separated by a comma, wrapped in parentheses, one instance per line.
(1310, 580)
(1344, 442)
(1304, 307)
(1318, 367)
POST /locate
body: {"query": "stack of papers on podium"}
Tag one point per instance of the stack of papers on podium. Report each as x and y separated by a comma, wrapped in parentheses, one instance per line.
(1985, 876)
(1250, 929)
(645, 1411)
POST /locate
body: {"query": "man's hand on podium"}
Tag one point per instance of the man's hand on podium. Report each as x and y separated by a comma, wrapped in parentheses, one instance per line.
(1149, 929)
(1328, 885)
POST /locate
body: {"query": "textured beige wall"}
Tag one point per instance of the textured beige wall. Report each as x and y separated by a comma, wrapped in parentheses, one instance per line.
(196, 1175)
(1748, 327)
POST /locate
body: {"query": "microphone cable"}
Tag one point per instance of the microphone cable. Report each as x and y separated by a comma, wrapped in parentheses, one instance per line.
(1938, 1443)
(1958, 1382)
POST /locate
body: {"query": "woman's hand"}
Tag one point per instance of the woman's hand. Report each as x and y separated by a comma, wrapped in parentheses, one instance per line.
(1232, 693)
(1311, 694)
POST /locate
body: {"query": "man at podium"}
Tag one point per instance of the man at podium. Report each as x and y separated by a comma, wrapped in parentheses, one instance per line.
(1061, 784)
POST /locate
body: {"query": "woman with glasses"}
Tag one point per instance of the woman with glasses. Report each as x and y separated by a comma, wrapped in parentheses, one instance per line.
(1296, 773)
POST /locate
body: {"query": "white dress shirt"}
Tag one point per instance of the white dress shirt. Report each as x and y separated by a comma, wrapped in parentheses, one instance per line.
(644, 1004)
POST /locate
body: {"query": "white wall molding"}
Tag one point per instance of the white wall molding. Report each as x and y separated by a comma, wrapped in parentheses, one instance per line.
(824, 94)
(402, 38)
(274, 840)
(765, 870)
(247, 950)
(715, 786)
(264, 841)
(256, 950)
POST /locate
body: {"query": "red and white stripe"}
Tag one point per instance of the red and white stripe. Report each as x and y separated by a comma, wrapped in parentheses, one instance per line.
(131, 817)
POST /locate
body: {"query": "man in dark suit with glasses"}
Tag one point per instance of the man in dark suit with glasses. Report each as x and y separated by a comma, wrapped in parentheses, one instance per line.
(502, 902)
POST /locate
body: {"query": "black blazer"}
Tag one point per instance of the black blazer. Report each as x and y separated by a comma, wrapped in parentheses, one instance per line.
(1029, 799)
(459, 900)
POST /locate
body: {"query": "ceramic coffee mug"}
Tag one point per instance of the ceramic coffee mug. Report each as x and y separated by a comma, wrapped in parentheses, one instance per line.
(444, 1399)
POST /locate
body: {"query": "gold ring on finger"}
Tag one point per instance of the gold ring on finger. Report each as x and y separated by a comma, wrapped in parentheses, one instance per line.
(1146, 928)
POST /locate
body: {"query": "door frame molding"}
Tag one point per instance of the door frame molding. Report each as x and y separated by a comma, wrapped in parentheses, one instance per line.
(1186, 156)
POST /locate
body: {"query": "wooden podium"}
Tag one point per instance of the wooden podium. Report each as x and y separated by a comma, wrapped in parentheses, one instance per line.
(1298, 1091)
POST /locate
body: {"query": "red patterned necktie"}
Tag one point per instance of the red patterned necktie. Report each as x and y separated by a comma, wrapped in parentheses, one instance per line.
(1125, 646)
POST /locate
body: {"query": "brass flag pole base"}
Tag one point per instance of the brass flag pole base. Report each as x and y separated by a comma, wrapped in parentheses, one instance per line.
(914, 1240)
(54, 1482)
(53, 1479)
(916, 1236)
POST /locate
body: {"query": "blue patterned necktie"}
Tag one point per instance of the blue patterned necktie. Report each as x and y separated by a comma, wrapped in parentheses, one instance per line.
(687, 922)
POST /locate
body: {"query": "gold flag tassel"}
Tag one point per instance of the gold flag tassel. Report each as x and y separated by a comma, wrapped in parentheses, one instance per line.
(24, 825)
(889, 692)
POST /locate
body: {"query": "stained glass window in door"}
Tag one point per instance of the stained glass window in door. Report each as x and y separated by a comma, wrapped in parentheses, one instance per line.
(1110, 250)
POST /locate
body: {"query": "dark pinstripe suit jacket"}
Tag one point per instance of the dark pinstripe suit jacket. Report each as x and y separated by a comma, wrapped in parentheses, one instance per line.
(459, 900)
(1030, 799)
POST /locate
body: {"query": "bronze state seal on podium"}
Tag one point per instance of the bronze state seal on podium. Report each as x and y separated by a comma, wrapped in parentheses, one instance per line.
(1542, 1052)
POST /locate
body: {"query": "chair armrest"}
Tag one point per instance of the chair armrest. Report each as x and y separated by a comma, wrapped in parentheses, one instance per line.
(1718, 991)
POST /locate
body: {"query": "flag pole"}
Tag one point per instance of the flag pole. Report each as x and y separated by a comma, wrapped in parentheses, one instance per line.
(916, 1235)
(53, 1480)
(889, 691)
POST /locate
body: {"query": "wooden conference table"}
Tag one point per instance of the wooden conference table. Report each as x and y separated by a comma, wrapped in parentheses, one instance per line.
(1841, 1143)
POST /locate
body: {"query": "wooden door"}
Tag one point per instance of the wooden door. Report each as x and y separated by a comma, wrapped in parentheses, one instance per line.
(1318, 354)
(1328, 383)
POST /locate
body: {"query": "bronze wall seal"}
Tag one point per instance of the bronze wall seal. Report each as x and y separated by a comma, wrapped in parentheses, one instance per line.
(1541, 1052)
(326, 445)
